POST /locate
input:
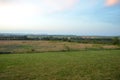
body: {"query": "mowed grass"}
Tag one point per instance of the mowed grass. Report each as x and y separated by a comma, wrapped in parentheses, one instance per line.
(77, 65)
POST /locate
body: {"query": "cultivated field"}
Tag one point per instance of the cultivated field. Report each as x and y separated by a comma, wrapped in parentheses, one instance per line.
(22, 46)
(74, 65)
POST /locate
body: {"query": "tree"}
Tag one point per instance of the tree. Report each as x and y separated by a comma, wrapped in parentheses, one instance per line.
(116, 41)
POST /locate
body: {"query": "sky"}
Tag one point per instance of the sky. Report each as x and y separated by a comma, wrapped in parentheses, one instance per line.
(64, 17)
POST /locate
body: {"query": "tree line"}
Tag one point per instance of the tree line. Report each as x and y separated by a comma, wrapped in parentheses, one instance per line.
(104, 40)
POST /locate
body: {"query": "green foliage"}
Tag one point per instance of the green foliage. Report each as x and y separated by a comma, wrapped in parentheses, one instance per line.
(116, 41)
(79, 65)
(67, 38)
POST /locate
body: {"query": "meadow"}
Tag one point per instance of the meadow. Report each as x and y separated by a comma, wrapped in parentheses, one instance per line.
(72, 65)
(38, 46)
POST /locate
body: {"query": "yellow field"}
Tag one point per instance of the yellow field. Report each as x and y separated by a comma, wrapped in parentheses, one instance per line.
(45, 46)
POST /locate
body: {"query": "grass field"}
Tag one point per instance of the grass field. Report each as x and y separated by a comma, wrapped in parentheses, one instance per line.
(24, 46)
(76, 65)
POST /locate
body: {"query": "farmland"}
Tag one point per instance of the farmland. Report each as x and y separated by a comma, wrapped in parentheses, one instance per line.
(74, 65)
(38, 46)
(59, 39)
(59, 60)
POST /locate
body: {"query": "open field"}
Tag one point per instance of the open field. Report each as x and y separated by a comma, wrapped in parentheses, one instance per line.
(24, 46)
(74, 65)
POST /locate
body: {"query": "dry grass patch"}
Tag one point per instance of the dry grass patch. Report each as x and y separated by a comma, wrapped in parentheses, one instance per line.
(45, 46)
(110, 47)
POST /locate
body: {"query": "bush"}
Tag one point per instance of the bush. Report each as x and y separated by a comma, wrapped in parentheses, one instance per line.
(116, 41)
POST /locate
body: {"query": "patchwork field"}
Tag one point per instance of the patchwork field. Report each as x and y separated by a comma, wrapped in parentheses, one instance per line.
(76, 65)
(22, 46)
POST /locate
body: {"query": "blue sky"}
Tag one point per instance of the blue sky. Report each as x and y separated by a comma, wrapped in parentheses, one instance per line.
(77, 17)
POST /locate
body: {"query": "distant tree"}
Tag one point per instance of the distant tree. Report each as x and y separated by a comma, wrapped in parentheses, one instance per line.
(116, 41)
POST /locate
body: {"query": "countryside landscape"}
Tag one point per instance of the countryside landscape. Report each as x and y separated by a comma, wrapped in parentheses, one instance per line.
(59, 57)
(59, 39)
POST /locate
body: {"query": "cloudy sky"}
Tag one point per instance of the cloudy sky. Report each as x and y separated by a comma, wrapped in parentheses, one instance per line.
(78, 17)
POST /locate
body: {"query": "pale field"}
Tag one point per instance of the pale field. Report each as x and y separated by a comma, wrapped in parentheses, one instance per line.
(21, 46)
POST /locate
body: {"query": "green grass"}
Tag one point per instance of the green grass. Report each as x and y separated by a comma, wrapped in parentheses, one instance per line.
(78, 65)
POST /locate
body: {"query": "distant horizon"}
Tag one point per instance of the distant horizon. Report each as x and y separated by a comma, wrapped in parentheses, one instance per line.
(15, 33)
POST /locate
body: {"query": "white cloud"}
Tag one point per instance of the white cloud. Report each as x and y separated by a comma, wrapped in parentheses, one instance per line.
(16, 12)
(59, 5)
(30, 7)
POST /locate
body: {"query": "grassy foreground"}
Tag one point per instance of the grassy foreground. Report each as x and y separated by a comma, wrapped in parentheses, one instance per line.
(79, 65)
